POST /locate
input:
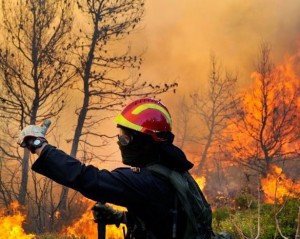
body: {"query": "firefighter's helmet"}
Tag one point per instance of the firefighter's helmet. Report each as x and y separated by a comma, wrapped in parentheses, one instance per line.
(148, 116)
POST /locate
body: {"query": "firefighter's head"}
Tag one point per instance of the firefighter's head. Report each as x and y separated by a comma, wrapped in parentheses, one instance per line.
(143, 124)
(147, 116)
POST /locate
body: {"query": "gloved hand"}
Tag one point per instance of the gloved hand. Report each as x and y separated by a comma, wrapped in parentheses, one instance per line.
(32, 137)
(108, 215)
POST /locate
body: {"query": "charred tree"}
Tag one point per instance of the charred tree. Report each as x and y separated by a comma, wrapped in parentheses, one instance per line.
(33, 71)
(214, 108)
(108, 69)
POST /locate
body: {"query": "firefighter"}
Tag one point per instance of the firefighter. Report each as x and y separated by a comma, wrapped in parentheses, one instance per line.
(144, 139)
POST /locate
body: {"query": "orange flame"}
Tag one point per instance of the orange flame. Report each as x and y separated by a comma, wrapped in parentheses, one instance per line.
(276, 185)
(87, 228)
(270, 112)
(200, 180)
(11, 225)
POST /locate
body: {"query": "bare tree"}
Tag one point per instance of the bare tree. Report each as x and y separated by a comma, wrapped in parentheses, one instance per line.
(33, 71)
(107, 68)
(214, 108)
(183, 122)
(266, 122)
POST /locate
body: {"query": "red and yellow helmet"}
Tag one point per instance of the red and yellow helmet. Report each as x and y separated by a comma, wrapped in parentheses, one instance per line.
(147, 116)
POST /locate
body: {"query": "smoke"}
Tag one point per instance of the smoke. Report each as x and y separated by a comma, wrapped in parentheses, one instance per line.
(181, 35)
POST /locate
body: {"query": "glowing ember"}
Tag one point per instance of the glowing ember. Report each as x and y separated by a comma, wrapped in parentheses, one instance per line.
(11, 225)
(276, 186)
(85, 227)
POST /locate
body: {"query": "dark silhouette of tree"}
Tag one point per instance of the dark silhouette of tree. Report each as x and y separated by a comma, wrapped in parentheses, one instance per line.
(33, 73)
(183, 117)
(214, 109)
(41, 58)
(108, 69)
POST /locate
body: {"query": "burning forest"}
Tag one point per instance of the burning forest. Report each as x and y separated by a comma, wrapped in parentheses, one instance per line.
(72, 62)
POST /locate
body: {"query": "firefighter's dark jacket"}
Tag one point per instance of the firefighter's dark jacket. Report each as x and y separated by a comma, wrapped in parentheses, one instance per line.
(146, 194)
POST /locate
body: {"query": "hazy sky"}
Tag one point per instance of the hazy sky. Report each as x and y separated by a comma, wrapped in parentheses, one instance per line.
(181, 34)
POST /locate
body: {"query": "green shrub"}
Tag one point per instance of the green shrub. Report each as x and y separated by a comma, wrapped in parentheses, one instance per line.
(244, 221)
(220, 215)
(245, 201)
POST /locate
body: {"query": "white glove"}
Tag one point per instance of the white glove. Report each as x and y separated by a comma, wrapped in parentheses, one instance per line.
(33, 137)
(31, 131)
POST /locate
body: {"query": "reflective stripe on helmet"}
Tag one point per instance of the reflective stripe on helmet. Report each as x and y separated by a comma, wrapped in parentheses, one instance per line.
(143, 107)
(121, 120)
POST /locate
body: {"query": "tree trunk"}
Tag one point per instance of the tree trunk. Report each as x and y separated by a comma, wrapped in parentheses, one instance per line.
(205, 152)
(85, 105)
(24, 179)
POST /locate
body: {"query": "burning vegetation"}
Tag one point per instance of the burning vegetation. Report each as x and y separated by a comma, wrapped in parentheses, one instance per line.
(11, 222)
(250, 160)
(85, 227)
(277, 187)
(244, 161)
